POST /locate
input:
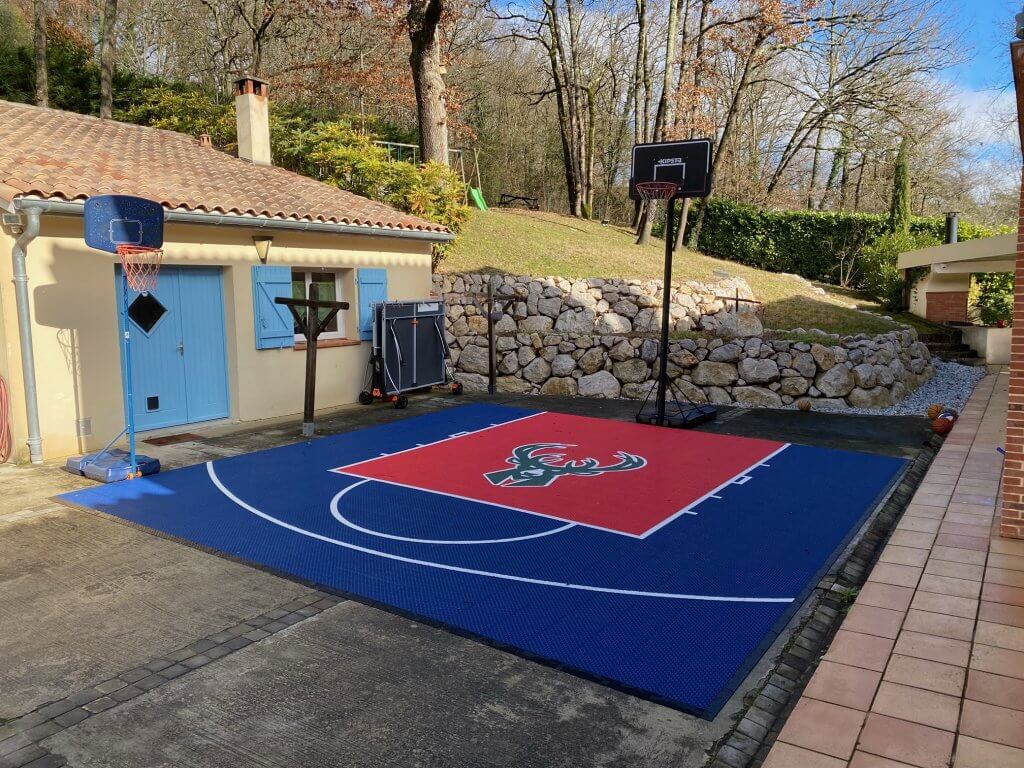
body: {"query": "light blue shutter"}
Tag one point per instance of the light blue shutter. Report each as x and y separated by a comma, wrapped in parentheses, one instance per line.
(274, 325)
(373, 288)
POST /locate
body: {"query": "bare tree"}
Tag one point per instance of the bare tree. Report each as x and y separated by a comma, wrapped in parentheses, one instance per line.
(39, 39)
(424, 21)
(108, 51)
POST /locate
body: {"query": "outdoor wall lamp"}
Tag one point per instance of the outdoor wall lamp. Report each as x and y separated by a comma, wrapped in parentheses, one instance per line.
(262, 243)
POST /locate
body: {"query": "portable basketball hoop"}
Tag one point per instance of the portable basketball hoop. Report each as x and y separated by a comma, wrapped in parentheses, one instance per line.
(141, 265)
(132, 228)
(667, 171)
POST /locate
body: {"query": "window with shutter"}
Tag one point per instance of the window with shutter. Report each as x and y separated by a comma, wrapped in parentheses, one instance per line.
(273, 321)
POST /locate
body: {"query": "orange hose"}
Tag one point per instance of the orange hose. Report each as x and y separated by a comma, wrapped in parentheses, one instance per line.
(5, 422)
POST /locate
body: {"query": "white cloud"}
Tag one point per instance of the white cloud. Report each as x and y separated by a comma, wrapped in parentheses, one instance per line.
(990, 115)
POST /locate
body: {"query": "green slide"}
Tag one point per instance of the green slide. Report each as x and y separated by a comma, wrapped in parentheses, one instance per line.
(478, 198)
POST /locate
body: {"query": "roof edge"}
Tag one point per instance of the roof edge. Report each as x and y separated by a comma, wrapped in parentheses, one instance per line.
(981, 248)
(66, 208)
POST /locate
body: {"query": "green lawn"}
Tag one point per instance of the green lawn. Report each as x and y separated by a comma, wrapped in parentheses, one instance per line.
(541, 244)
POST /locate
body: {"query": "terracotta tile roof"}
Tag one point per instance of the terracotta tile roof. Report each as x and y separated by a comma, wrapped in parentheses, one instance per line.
(54, 154)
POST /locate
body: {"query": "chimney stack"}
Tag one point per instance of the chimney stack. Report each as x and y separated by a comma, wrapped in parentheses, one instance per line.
(252, 117)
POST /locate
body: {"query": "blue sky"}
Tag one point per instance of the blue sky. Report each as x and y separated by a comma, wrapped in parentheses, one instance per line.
(983, 83)
(987, 27)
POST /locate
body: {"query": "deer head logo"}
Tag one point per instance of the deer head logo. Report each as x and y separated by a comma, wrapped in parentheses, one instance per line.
(539, 464)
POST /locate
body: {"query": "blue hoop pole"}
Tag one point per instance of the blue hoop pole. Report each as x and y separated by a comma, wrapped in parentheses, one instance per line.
(129, 407)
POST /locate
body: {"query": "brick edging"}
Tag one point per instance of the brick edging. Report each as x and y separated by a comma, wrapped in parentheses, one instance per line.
(747, 744)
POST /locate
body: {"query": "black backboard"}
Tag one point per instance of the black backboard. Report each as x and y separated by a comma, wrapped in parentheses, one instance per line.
(687, 163)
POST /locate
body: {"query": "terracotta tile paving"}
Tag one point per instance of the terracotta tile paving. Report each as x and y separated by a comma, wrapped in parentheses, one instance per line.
(927, 670)
(995, 689)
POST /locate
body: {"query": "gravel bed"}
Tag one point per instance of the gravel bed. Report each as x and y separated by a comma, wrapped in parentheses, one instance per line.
(951, 386)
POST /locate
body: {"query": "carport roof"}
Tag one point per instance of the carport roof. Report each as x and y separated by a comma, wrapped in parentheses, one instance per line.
(1000, 248)
(51, 154)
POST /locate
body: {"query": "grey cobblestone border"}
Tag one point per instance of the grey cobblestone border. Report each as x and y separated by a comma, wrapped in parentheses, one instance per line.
(748, 743)
(19, 738)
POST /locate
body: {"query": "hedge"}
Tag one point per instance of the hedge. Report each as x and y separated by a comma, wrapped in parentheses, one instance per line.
(818, 245)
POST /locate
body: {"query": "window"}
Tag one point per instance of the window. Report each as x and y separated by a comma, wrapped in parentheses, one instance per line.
(320, 284)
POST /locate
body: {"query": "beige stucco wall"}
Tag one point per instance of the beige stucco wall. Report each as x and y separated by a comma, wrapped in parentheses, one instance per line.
(991, 344)
(935, 282)
(74, 312)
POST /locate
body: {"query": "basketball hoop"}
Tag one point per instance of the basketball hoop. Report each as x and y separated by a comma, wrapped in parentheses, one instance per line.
(141, 266)
(657, 190)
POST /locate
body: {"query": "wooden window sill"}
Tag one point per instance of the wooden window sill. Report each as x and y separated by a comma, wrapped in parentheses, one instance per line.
(300, 346)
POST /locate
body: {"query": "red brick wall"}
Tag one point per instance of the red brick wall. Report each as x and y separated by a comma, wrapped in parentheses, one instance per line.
(1012, 522)
(946, 307)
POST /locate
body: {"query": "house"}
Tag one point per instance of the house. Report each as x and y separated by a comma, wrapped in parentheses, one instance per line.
(209, 343)
(941, 293)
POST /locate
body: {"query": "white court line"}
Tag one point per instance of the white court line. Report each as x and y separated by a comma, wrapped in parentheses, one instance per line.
(345, 521)
(712, 494)
(456, 436)
(474, 572)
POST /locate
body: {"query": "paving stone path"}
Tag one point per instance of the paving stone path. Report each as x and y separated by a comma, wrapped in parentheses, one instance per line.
(928, 667)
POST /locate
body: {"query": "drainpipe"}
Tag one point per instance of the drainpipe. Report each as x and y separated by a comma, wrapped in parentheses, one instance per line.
(28, 365)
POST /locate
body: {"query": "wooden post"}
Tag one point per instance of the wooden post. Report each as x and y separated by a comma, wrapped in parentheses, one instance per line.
(311, 327)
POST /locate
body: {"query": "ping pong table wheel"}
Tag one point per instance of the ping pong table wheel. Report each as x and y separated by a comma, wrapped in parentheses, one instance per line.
(401, 401)
(365, 398)
(457, 388)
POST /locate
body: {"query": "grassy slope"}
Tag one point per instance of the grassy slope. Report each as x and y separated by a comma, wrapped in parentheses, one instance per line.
(526, 243)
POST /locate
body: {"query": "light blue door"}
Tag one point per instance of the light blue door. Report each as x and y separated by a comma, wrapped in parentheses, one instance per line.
(179, 352)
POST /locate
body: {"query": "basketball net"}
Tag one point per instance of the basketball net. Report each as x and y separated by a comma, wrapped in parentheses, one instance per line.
(141, 266)
(657, 190)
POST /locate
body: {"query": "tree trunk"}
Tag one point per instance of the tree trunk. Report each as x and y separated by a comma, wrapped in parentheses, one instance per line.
(646, 222)
(665, 115)
(813, 182)
(424, 19)
(108, 51)
(723, 141)
(42, 77)
(684, 216)
(860, 181)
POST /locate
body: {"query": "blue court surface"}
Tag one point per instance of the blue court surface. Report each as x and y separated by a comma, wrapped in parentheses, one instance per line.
(659, 561)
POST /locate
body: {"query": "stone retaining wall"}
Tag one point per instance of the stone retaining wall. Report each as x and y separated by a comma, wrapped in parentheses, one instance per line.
(597, 338)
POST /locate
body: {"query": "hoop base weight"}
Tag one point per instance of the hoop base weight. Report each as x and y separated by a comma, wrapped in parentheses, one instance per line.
(112, 466)
(682, 417)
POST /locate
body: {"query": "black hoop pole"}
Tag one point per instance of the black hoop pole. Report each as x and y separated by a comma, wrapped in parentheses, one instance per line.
(666, 295)
(491, 373)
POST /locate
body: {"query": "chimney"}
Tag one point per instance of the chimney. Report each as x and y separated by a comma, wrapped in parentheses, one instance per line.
(252, 117)
(952, 227)
(205, 140)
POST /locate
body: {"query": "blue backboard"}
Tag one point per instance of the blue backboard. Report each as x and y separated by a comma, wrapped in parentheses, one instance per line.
(113, 220)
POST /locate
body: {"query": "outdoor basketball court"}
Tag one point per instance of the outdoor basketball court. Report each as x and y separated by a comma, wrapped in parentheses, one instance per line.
(660, 561)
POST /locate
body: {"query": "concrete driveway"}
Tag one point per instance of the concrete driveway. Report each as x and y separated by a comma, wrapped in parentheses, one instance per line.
(122, 648)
